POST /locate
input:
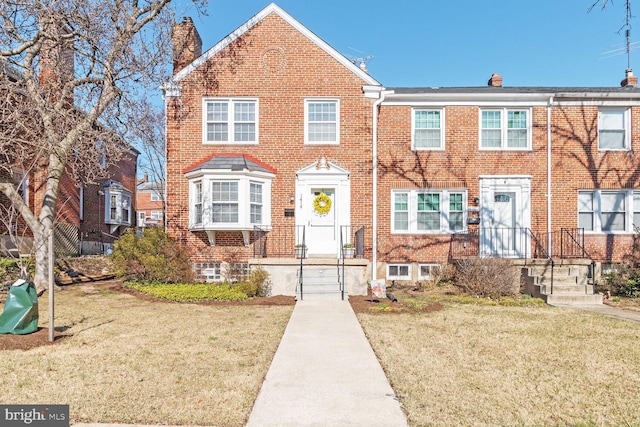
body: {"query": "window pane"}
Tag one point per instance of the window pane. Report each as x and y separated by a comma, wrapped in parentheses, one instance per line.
(255, 199)
(491, 120)
(225, 191)
(612, 221)
(401, 201)
(393, 270)
(225, 212)
(636, 209)
(455, 221)
(217, 131)
(404, 270)
(244, 112)
(429, 221)
(427, 138)
(217, 112)
(322, 132)
(455, 202)
(612, 202)
(491, 138)
(517, 120)
(517, 138)
(585, 220)
(401, 221)
(245, 132)
(585, 201)
(428, 202)
(611, 139)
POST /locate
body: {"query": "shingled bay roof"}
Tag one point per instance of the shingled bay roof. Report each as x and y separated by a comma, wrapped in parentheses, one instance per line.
(231, 162)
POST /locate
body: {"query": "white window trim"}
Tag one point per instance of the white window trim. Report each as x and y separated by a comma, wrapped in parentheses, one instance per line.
(444, 210)
(597, 210)
(244, 181)
(627, 128)
(119, 193)
(504, 130)
(231, 133)
(442, 129)
(398, 277)
(431, 266)
(308, 101)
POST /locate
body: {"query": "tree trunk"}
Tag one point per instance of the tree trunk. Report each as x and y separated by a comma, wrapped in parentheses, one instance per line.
(41, 252)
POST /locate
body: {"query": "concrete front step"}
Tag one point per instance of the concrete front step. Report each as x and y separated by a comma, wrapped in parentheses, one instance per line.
(559, 288)
(572, 298)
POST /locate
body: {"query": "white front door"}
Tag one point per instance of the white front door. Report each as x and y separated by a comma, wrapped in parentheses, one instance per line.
(505, 215)
(504, 232)
(321, 231)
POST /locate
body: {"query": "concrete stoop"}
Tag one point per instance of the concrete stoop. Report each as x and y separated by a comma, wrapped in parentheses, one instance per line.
(320, 283)
(571, 283)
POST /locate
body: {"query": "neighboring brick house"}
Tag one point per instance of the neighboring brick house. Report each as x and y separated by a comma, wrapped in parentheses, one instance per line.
(150, 203)
(88, 220)
(271, 125)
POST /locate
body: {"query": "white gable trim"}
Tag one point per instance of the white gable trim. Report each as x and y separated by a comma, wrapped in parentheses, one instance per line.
(273, 8)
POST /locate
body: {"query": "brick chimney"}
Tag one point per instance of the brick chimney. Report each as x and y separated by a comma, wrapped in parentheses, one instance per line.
(56, 65)
(629, 79)
(495, 80)
(187, 44)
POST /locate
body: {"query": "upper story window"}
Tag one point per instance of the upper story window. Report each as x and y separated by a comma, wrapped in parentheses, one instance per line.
(428, 211)
(614, 131)
(156, 196)
(609, 211)
(230, 120)
(427, 129)
(505, 129)
(322, 121)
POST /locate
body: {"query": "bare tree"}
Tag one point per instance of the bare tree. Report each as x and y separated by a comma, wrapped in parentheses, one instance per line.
(71, 73)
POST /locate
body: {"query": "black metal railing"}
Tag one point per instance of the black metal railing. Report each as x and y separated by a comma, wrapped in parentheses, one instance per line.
(569, 243)
(301, 248)
(351, 245)
(515, 242)
(280, 242)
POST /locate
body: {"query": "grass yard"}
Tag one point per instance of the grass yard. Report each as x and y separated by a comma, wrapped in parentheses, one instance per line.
(472, 365)
(129, 360)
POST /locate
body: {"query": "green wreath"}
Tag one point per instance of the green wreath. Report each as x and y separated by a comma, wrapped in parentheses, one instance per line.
(322, 204)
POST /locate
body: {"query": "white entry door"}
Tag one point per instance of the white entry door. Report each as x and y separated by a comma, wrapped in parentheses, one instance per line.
(321, 231)
(504, 235)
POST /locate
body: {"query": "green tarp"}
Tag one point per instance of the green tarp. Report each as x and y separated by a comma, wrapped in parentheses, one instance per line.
(20, 315)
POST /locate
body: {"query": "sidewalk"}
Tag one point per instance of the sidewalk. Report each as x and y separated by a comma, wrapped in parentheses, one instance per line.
(325, 373)
(605, 310)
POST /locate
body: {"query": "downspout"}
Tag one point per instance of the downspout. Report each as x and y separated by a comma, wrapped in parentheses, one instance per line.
(374, 201)
(549, 132)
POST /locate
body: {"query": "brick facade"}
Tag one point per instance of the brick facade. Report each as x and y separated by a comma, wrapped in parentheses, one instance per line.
(275, 62)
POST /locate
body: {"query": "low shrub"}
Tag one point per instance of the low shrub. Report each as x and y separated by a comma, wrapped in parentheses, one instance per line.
(487, 277)
(257, 283)
(185, 292)
(151, 255)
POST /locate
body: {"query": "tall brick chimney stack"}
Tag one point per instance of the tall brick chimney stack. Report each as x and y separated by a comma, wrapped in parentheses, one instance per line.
(187, 44)
(629, 79)
(56, 66)
(495, 80)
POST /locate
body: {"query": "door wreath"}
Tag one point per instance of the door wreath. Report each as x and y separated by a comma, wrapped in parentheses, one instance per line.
(322, 204)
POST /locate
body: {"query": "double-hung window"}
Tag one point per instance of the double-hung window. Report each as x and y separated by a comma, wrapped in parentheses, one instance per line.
(428, 211)
(428, 131)
(224, 196)
(117, 204)
(322, 121)
(197, 202)
(608, 211)
(505, 129)
(613, 128)
(255, 203)
(230, 120)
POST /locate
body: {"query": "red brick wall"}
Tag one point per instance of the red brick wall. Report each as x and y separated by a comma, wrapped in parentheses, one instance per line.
(281, 88)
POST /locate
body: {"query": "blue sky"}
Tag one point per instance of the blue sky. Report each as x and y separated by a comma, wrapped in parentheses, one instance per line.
(457, 42)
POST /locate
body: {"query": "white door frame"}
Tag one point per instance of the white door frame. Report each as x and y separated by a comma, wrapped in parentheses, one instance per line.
(520, 185)
(323, 174)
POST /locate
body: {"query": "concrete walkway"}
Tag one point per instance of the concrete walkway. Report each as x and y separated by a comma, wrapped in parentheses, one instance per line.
(325, 373)
(605, 310)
